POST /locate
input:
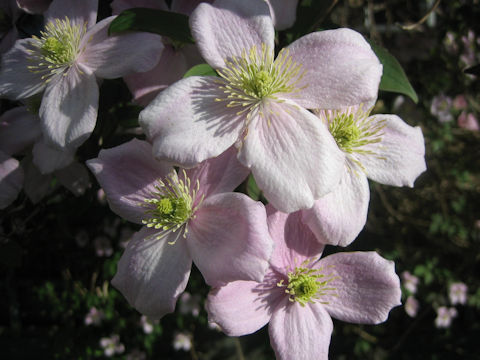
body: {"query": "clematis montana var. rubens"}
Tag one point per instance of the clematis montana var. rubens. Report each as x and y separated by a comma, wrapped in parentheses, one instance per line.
(300, 293)
(379, 147)
(65, 62)
(188, 216)
(258, 104)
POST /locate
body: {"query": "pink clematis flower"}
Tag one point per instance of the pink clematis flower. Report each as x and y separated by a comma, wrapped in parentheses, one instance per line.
(259, 104)
(380, 147)
(300, 293)
(65, 62)
(445, 316)
(186, 216)
(457, 293)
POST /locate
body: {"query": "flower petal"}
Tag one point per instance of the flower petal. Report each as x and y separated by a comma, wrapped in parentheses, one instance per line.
(338, 217)
(300, 333)
(115, 56)
(151, 273)
(120, 5)
(283, 13)
(243, 307)
(400, 157)
(11, 179)
(218, 175)
(186, 6)
(230, 27)
(366, 287)
(78, 12)
(48, 159)
(36, 185)
(293, 157)
(128, 173)
(228, 239)
(19, 128)
(144, 86)
(293, 240)
(75, 178)
(69, 108)
(16, 80)
(340, 69)
(33, 6)
(186, 125)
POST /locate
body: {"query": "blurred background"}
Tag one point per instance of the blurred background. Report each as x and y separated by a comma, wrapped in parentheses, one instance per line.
(58, 251)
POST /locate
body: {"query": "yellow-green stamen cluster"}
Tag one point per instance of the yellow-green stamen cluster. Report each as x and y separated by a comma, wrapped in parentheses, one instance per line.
(57, 48)
(254, 76)
(352, 131)
(171, 205)
(307, 285)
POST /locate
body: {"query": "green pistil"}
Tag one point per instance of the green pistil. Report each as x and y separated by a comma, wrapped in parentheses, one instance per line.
(306, 285)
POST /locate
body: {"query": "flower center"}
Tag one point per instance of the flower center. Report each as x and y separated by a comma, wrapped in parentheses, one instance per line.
(305, 285)
(171, 205)
(57, 48)
(253, 77)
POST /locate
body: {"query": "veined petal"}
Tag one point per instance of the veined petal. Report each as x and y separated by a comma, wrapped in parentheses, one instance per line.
(16, 80)
(293, 240)
(48, 159)
(218, 175)
(11, 179)
(128, 173)
(69, 108)
(293, 157)
(229, 28)
(115, 56)
(187, 125)
(77, 11)
(340, 68)
(338, 217)
(144, 86)
(400, 156)
(228, 239)
(120, 5)
(300, 333)
(366, 287)
(284, 13)
(19, 128)
(151, 273)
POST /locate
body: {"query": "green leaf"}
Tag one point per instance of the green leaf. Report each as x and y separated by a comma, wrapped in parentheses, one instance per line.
(201, 70)
(166, 23)
(393, 78)
(252, 188)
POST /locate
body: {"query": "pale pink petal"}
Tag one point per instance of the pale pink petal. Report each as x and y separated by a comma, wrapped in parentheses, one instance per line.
(151, 273)
(144, 86)
(340, 69)
(338, 217)
(117, 55)
(186, 125)
(293, 240)
(78, 11)
(48, 159)
(11, 179)
(218, 175)
(228, 239)
(243, 307)
(16, 81)
(33, 6)
(399, 158)
(120, 5)
(283, 13)
(186, 6)
(128, 174)
(230, 28)
(366, 287)
(300, 333)
(292, 155)
(19, 128)
(36, 184)
(69, 108)
(75, 178)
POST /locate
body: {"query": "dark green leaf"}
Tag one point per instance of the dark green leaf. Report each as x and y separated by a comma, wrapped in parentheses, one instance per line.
(252, 188)
(166, 23)
(393, 78)
(201, 70)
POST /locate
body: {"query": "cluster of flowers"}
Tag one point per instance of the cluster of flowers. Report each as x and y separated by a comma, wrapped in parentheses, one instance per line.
(444, 108)
(299, 122)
